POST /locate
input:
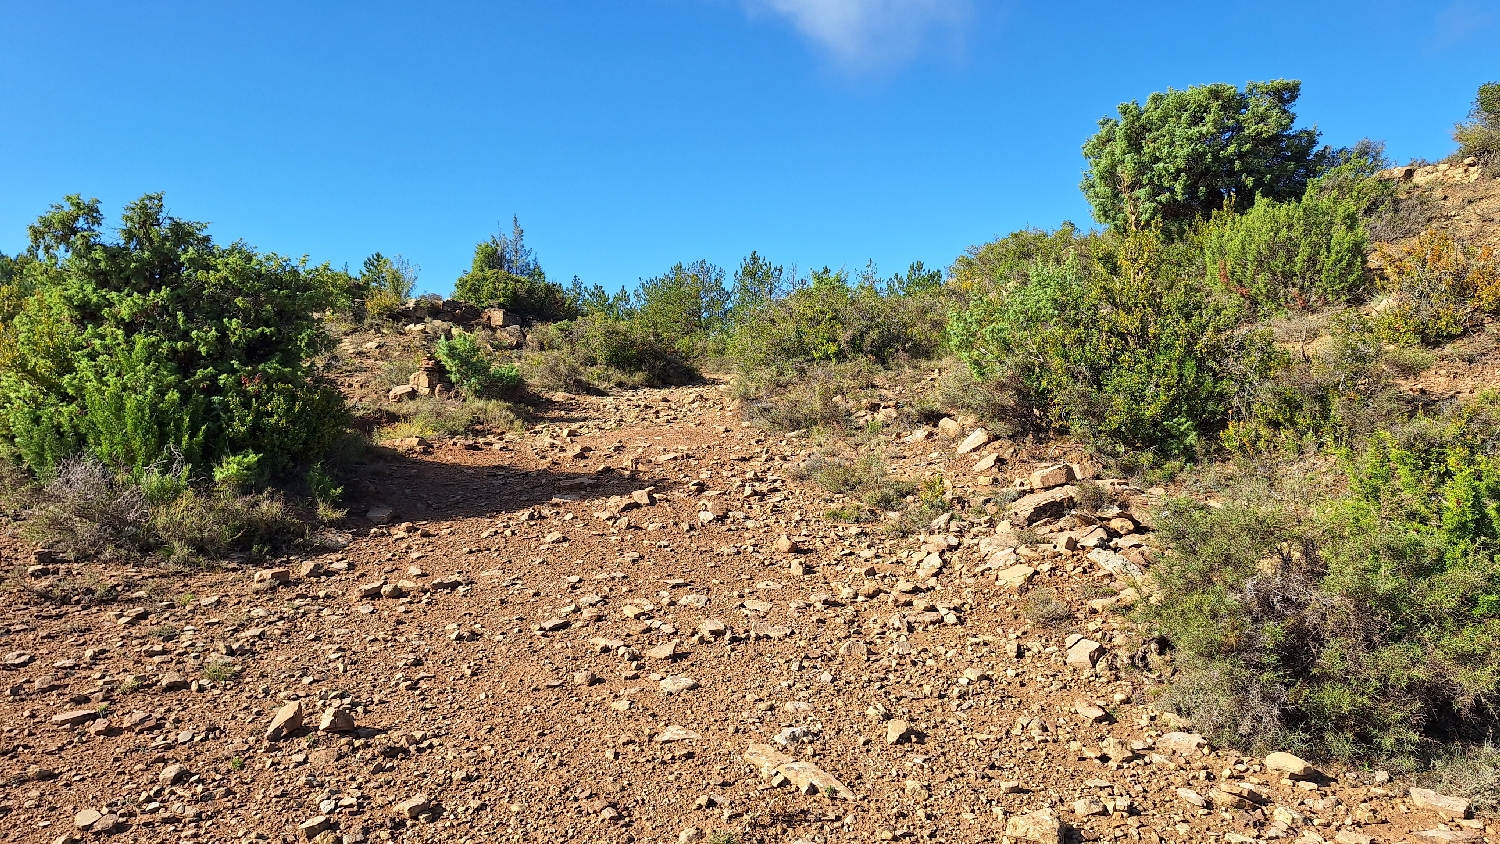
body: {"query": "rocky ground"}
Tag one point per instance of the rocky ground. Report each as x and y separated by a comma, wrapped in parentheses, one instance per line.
(633, 624)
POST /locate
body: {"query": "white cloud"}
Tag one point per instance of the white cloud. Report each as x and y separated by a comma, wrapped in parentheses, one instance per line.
(869, 32)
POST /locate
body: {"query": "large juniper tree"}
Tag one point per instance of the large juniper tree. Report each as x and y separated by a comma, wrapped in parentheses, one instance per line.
(1184, 153)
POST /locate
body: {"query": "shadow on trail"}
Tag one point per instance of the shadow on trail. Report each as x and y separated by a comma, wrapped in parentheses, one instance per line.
(450, 483)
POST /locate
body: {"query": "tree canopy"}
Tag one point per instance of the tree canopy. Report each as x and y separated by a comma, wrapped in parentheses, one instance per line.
(1185, 153)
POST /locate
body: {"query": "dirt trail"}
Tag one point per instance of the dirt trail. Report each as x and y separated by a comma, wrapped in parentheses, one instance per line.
(613, 628)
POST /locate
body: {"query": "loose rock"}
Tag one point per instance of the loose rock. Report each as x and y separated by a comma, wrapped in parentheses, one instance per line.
(287, 720)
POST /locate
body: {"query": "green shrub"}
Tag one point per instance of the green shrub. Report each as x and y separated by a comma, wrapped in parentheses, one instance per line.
(163, 341)
(1303, 252)
(830, 320)
(1007, 262)
(1436, 289)
(684, 309)
(505, 274)
(1365, 624)
(1128, 348)
(1480, 136)
(476, 371)
(596, 351)
(630, 348)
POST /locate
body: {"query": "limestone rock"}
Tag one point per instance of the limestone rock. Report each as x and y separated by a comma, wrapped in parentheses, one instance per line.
(74, 717)
(173, 773)
(1193, 798)
(1183, 744)
(314, 826)
(676, 733)
(897, 731)
(1052, 476)
(1040, 826)
(1014, 577)
(1084, 653)
(1048, 504)
(805, 776)
(1293, 766)
(666, 651)
(1455, 808)
(414, 807)
(973, 441)
(675, 685)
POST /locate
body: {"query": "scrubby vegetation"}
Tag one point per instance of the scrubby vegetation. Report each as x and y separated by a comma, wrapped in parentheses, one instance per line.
(150, 384)
(1480, 134)
(475, 369)
(505, 274)
(1118, 339)
(1246, 319)
(1363, 621)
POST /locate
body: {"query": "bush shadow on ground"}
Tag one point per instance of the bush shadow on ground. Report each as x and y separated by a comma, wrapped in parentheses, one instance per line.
(432, 487)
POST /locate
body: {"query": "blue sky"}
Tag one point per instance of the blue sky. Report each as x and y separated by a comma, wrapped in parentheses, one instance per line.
(631, 134)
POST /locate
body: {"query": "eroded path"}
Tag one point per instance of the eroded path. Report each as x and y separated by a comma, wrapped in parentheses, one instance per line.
(612, 628)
